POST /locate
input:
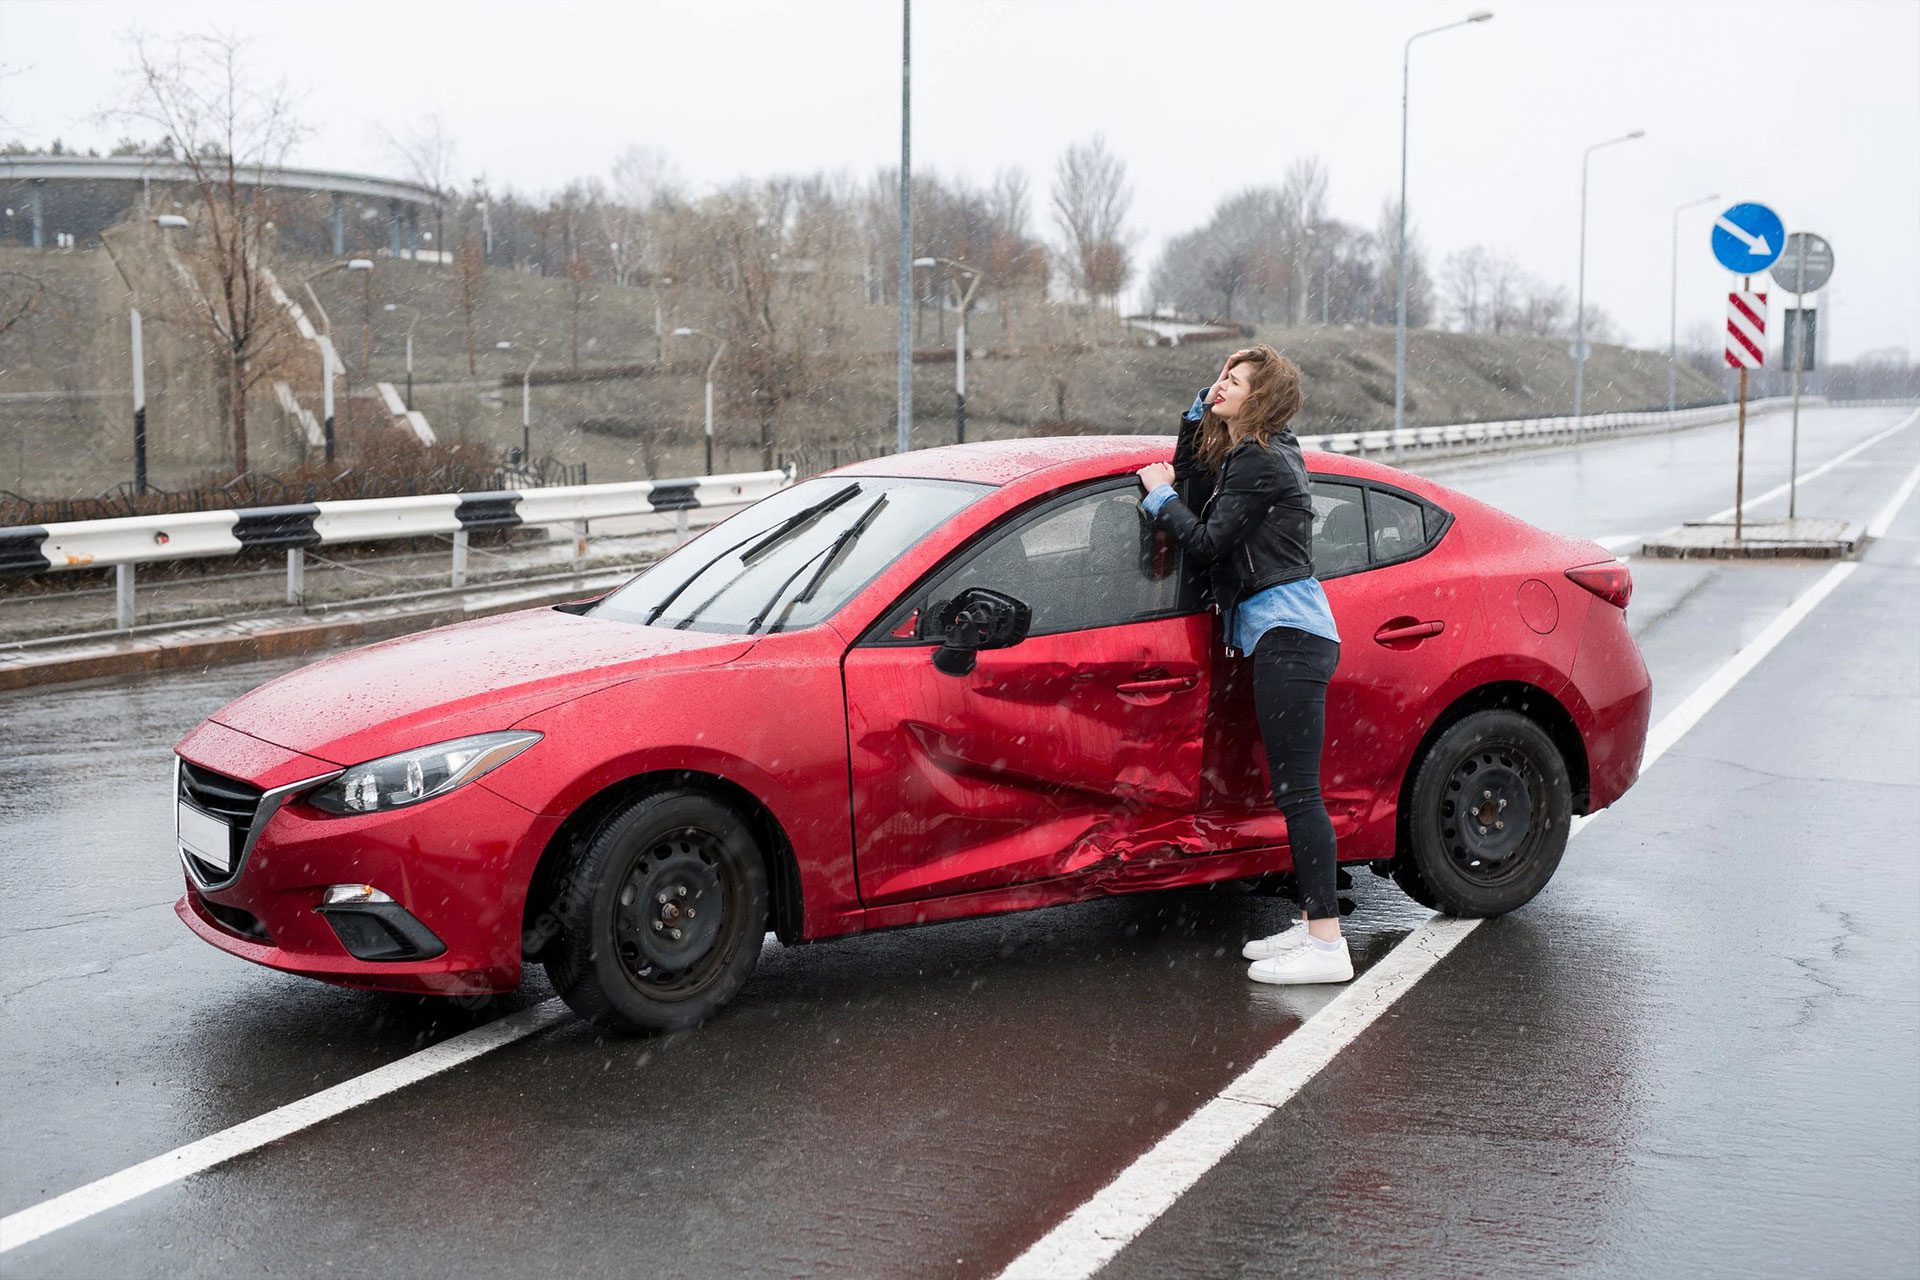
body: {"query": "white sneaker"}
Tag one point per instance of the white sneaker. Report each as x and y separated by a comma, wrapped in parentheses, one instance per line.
(1277, 944)
(1303, 965)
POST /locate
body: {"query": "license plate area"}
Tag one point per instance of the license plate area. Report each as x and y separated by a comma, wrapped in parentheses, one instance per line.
(206, 838)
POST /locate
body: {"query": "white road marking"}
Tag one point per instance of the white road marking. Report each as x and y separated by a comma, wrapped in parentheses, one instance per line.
(115, 1189)
(1101, 1227)
(1089, 1237)
(1882, 522)
(1820, 470)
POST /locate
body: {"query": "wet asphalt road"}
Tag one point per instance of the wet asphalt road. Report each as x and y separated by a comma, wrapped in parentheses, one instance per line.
(1697, 1053)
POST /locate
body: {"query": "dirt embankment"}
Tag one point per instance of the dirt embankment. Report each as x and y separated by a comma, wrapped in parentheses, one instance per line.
(65, 398)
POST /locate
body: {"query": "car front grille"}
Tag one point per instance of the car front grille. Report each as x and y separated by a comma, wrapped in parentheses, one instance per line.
(232, 801)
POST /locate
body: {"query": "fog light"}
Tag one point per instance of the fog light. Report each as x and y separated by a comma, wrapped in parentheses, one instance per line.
(339, 895)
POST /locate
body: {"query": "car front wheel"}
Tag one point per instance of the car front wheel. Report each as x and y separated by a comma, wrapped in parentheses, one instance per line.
(663, 915)
(1488, 817)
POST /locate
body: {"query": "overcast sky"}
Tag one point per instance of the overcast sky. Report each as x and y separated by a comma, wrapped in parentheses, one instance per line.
(1813, 108)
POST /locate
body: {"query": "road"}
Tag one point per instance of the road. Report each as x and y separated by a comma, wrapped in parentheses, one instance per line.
(1697, 1053)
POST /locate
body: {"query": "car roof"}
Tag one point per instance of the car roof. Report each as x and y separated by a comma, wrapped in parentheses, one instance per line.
(1050, 462)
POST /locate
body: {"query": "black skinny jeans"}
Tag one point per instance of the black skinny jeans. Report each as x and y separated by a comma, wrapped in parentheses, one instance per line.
(1291, 669)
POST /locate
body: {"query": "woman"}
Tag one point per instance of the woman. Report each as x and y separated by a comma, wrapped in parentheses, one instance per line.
(1254, 533)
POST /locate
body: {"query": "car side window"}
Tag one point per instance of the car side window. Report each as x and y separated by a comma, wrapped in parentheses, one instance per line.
(1339, 529)
(1395, 526)
(1093, 561)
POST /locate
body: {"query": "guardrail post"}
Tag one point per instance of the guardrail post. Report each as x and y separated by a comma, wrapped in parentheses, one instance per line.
(296, 576)
(680, 525)
(460, 558)
(579, 539)
(123, 596)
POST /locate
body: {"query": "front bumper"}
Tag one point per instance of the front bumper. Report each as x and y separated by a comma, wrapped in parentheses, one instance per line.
(457, 866)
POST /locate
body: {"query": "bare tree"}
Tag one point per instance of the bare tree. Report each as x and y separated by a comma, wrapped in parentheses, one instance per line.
(470, 280)
(1091, 198)
(228, 131)
(1303, 210)
(772, 251)
(644, 182)
(1463, 288)
(20, 293)
(579, 294)
(1419, 283)
(424, 153)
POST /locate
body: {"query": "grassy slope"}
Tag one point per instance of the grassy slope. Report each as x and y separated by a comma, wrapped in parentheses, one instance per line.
(651, 424)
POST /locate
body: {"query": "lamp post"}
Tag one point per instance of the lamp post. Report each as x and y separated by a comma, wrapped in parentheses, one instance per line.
(366, 326)
(166, 222)
(959, 338)
(413, 318)
(720, 345)
(1400, 257)
(1580, 307)
(329, 358)
(903, 359)
(1673, 305)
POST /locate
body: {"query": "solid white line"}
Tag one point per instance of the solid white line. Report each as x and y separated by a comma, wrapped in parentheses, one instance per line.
(1099, 1229)
(1820, 470)
(1103, 1225)
(1884, 521)
(183, 1162)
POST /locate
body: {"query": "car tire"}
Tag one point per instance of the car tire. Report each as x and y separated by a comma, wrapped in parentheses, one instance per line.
(662, 915)
(1488, 817)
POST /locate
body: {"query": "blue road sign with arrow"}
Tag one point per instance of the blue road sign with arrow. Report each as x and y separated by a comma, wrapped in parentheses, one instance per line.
(1747, 238)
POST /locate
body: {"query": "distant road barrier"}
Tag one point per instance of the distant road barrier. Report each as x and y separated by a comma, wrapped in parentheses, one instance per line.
(1540, 430)
(127, 542)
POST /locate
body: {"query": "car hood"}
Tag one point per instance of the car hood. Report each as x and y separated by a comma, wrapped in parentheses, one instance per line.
(472, 677)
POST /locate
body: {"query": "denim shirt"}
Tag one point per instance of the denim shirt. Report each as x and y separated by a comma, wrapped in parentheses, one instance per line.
(1301, 604)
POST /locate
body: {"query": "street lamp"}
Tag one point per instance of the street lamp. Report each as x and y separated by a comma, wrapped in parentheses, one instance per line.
(720, 345)
(1580, 307)
(166, 222)
(1673, 305)
(526, 404)
(366, 323)
(413, 318)
(328, 356)
(1400, 257)
(959, 339)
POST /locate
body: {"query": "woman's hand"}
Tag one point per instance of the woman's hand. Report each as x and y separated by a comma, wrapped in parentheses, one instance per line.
(1155, 474)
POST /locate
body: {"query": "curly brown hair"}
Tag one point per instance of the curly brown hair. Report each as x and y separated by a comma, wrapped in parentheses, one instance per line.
(1273, 397)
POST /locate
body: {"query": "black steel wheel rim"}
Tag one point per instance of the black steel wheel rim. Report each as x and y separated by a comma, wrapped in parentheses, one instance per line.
(670, 916)
(1492, 811)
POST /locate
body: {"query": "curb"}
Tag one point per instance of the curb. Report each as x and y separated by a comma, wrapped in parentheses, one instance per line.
(172, 652)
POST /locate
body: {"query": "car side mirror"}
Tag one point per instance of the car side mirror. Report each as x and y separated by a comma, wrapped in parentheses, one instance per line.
(978, 619)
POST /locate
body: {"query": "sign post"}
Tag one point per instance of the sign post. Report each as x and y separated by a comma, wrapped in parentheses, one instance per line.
(1804, 267)
(1746, 240)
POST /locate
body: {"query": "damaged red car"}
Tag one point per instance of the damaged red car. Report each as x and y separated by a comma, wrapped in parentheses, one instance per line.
(934, 685)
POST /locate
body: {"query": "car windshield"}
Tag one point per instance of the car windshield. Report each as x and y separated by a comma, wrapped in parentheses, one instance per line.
(790, 560)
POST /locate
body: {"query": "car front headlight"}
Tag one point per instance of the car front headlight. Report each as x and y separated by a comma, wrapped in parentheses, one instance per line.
(408, 777)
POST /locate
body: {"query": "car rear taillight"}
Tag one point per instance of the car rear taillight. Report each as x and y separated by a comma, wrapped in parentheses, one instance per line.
(1610, 580)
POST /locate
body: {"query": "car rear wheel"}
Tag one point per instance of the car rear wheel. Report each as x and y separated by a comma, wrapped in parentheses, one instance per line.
(1488, 817)
(663, 916)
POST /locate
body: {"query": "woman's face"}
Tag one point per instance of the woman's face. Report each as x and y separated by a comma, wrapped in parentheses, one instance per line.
(1229, 395)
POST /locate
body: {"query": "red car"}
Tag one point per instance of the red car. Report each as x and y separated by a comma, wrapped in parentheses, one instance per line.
(934, 685)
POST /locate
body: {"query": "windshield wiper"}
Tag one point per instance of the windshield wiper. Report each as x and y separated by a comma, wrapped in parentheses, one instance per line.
(764, 541)
(834, 552)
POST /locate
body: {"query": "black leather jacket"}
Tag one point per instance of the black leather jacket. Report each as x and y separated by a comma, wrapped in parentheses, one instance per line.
(1254, 529)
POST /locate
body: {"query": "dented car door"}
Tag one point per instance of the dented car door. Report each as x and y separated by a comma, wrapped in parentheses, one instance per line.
(1079, 747)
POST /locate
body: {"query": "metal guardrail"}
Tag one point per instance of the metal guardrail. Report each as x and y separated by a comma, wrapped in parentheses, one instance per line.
(1545, 430)
(127, 542)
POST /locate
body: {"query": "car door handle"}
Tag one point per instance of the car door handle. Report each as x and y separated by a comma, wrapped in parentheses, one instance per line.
(1406, 629)
(1161, 684)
